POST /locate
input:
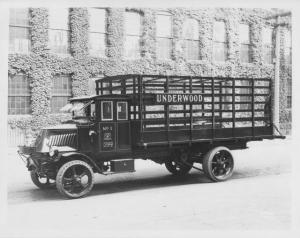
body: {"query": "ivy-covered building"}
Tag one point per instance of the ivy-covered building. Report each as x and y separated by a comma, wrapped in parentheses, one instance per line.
(56, 54)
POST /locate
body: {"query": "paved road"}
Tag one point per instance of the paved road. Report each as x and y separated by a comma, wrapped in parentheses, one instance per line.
(257, 197)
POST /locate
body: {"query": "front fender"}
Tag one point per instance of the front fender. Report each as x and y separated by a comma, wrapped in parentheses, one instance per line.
(85, 157)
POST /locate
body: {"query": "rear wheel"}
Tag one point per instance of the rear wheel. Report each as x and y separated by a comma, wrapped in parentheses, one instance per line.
(41, 182)
(218, 164)
(180, 164)
(75, 179)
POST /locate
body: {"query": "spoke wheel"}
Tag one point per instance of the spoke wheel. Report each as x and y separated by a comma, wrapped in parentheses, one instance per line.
(75, 179)
(179, 166)
(40, 182)
(218, 164)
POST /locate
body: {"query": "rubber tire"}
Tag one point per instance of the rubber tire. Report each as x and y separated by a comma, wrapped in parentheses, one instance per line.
(206, 164)
(185, 169)
(35, 179)
(61, 173)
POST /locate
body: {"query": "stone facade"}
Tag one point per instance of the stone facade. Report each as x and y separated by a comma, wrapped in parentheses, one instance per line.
(41, 65)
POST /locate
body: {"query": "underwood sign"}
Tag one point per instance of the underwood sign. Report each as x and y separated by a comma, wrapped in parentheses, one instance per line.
(178, 98)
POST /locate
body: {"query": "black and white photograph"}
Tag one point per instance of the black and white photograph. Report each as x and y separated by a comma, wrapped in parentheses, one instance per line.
(149, 119)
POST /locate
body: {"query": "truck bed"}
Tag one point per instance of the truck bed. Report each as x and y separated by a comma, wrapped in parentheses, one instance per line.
(189, 109)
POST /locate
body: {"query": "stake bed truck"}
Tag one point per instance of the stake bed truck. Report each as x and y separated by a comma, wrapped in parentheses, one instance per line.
(182, 122)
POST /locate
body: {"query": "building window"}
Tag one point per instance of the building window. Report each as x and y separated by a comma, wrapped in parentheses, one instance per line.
(245, 50)
(61, 92)
(287, 47)
(19, 30)
(220, 41)
(191, 39)
(97, 34)
(18, 95)
(267, 40)
(59, 31)
(163, 35)
(132, 35)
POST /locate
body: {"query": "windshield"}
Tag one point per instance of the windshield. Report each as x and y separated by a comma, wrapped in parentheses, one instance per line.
(80, 109)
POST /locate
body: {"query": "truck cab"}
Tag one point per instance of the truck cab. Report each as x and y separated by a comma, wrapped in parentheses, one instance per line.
(103, 125)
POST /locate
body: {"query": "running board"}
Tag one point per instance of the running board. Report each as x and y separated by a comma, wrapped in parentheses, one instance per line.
(110, 172)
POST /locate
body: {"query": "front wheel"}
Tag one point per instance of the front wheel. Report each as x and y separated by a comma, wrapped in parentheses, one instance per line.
(218, 164)
(40, 182)
(75, 179)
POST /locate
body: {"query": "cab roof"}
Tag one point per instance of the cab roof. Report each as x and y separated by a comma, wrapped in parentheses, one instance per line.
(95, 97)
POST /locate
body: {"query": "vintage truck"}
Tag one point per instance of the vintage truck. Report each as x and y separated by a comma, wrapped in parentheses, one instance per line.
(183, 122)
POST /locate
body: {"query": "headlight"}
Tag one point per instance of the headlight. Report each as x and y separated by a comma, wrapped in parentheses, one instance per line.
(53, 151)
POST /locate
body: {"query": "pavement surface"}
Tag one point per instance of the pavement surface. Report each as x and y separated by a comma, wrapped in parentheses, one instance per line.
(257, 197)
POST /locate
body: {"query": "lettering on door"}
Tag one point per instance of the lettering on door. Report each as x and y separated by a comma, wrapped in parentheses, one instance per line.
(107, 136)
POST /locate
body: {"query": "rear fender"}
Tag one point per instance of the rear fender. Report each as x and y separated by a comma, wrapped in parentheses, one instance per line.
(77, 155)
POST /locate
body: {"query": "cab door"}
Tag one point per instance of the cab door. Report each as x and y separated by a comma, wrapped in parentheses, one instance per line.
(123, 126)
(114, 126)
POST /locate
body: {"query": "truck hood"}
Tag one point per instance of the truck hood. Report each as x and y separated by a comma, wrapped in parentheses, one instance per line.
(61, 137)
(61, 127)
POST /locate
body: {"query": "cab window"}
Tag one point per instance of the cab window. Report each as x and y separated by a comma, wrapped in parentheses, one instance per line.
(122, 111)
(80, 109)
(107, 110)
